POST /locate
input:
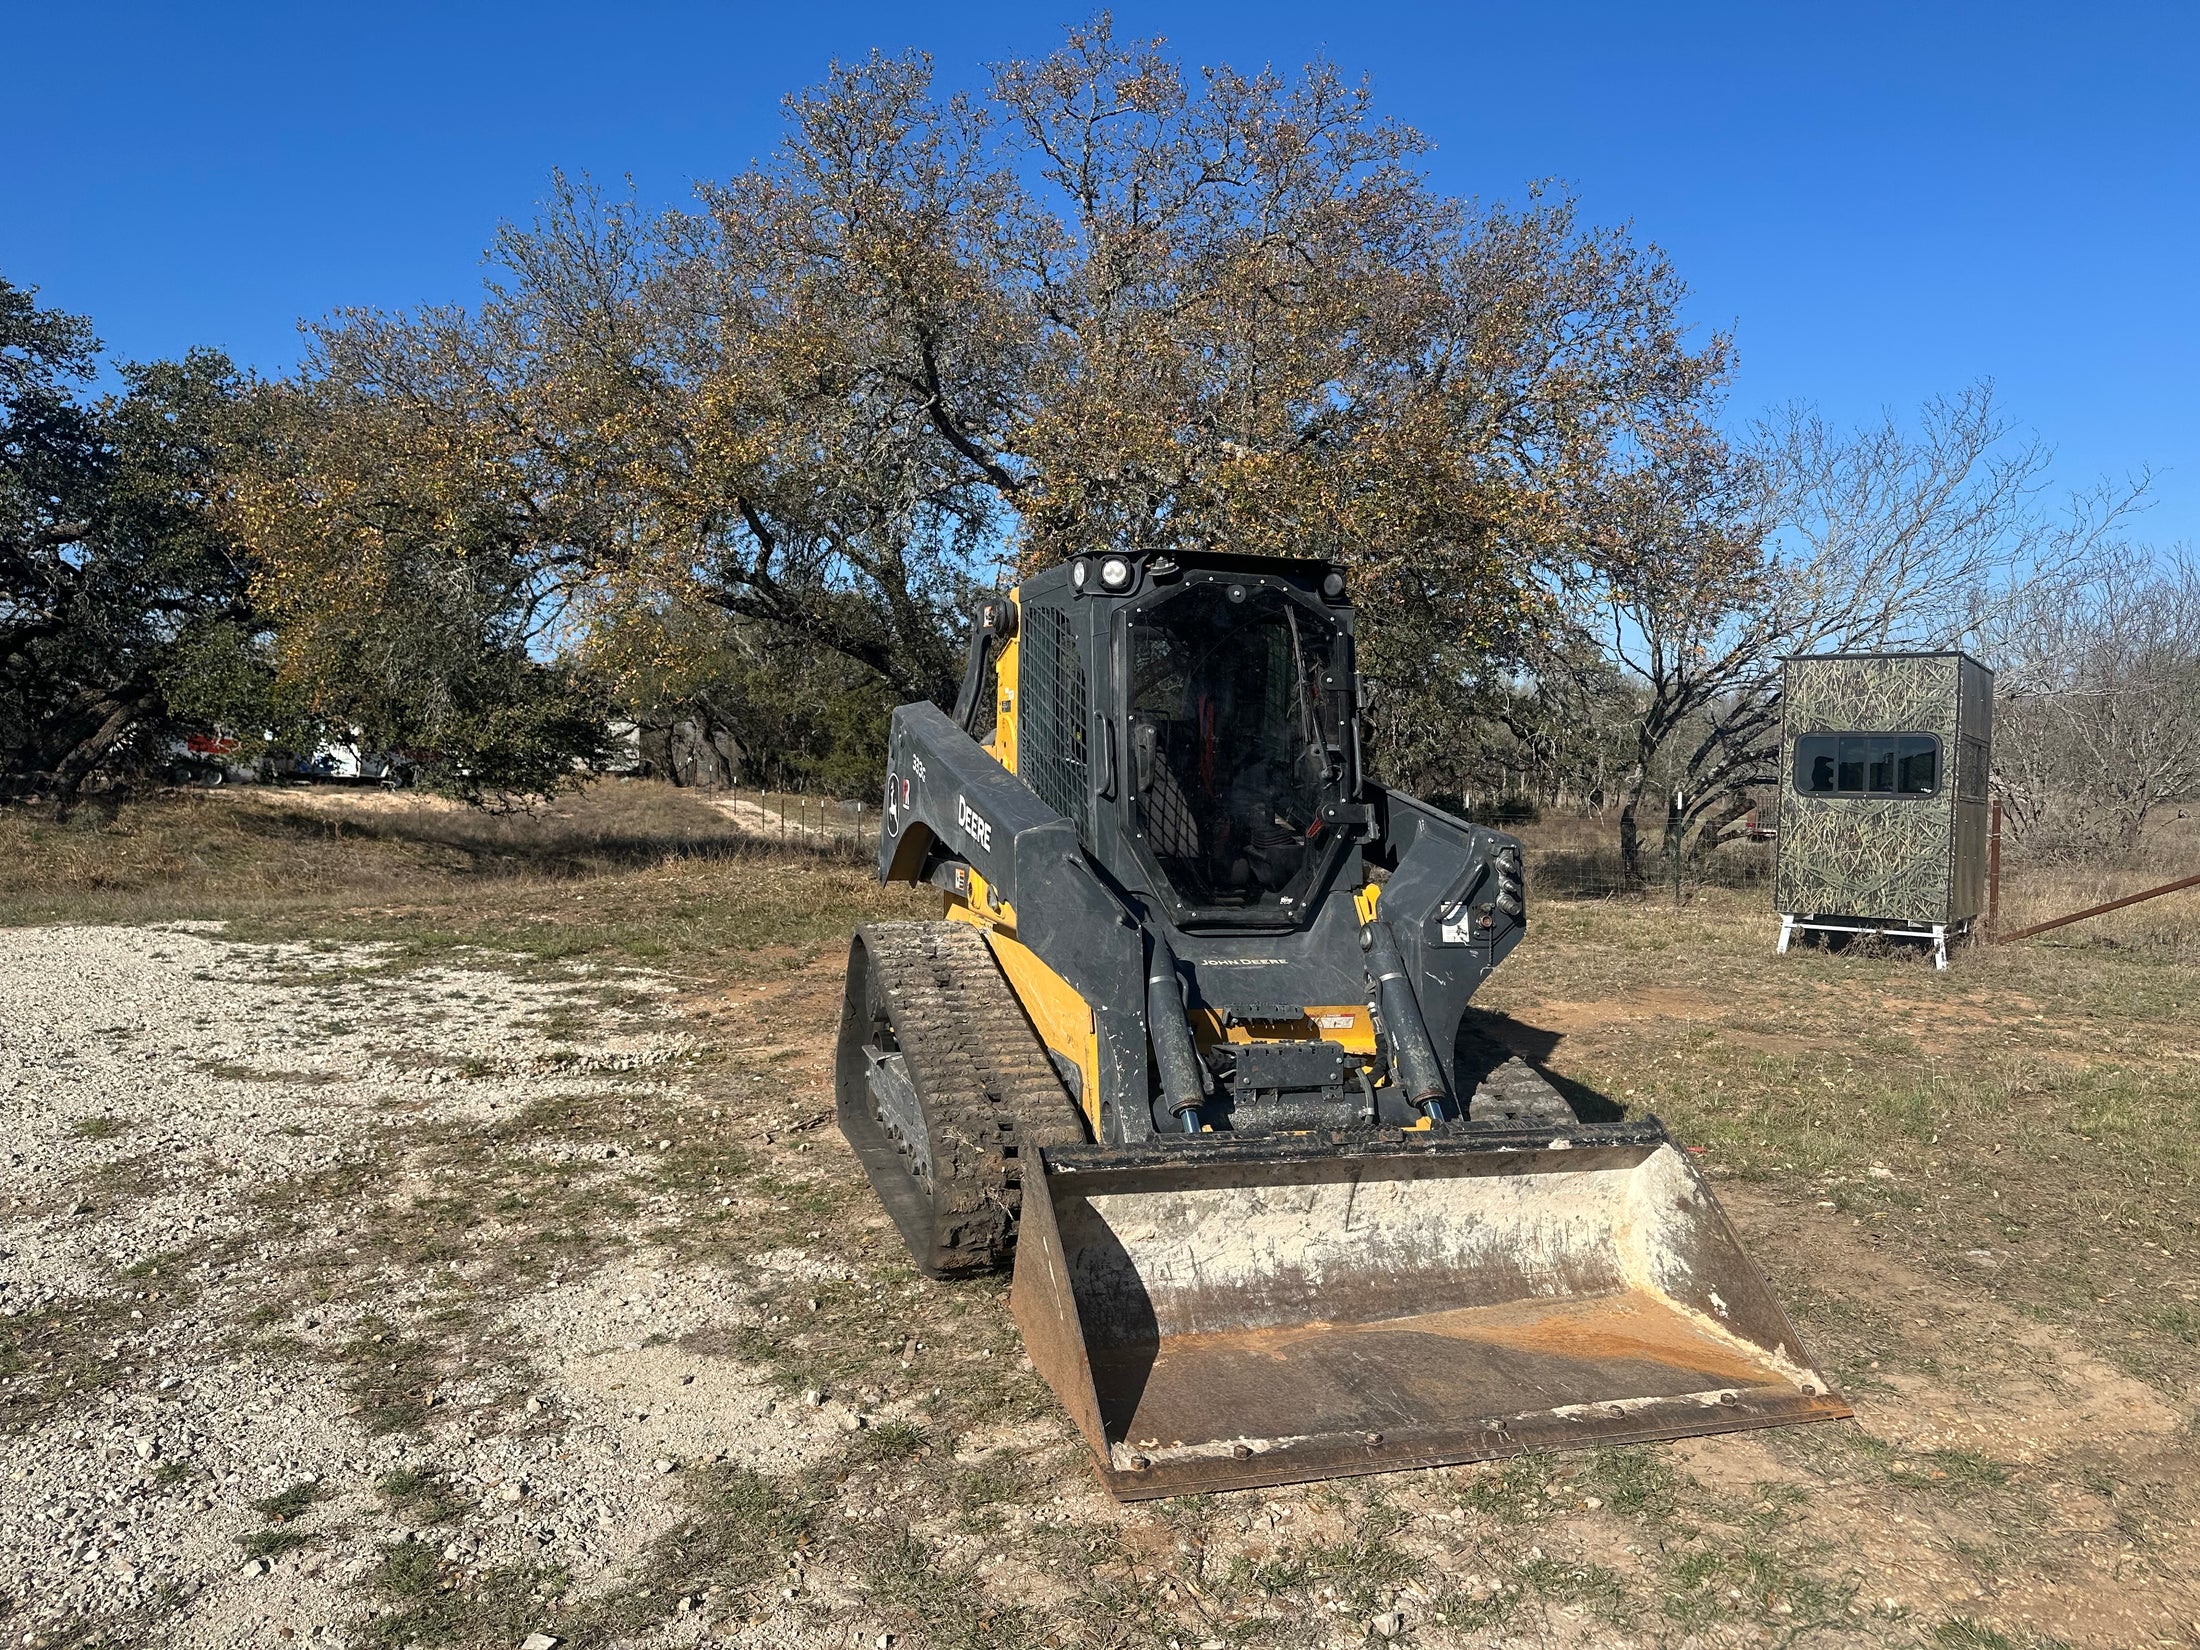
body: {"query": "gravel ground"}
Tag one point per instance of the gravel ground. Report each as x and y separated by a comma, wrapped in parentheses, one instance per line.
(174, 1113)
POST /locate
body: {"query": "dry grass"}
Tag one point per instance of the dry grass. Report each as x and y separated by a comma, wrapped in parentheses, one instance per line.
(2167, 928)
(634, 870)
(1573, 856)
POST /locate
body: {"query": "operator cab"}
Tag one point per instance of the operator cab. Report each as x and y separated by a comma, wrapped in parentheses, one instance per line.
(1199, 725)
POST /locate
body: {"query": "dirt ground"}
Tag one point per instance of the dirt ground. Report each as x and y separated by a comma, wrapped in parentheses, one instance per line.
(421, 1230)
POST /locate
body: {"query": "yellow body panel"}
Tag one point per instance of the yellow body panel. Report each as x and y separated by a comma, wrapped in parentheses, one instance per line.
(1003, 747)
(979, 904)
(1062, 1018)
(1345, 1024)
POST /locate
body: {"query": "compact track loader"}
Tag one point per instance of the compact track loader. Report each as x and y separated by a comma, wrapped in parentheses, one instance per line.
(1186, 1047)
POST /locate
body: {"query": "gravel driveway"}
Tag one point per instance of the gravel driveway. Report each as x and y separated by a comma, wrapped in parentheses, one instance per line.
(236, 1177)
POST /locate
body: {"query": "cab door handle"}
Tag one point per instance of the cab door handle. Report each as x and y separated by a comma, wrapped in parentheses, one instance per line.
(1104, 769)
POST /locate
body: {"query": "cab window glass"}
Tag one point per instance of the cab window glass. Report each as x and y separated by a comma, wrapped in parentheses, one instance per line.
(1233, 752)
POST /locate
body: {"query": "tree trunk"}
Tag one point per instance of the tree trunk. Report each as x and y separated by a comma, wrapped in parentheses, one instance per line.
(72, 770)
(1630, 834)
(2135, 822)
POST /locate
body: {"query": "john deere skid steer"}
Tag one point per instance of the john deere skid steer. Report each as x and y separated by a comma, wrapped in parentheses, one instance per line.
(1185, 1048)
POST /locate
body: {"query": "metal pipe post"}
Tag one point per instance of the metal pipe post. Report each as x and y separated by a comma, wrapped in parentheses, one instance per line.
(1993, 868)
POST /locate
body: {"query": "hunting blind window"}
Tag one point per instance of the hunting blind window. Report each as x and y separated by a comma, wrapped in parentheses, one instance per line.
(1867, 764)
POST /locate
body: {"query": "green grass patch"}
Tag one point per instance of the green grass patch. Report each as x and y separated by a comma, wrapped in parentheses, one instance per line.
(1964, 1633)
(1508, 1491)
(1636, 1480)
(423, 1495)
(427, 1601)
(272, 1544)
(1704, 1586)
(886, 1442)
(1358, 1567)
(291, 1503)
(937, 1599)
(1571, 1581)
(1949, 1471)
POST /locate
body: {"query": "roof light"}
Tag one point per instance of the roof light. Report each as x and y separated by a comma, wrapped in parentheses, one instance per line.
(1078, 573)
(1115, 573)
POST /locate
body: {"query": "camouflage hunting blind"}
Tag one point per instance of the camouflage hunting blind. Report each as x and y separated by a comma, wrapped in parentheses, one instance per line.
(1883, 763)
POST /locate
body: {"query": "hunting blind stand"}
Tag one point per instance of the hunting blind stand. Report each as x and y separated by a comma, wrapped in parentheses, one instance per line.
(1883, 764)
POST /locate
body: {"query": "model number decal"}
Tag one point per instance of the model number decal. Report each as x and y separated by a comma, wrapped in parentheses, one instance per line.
(975, 825)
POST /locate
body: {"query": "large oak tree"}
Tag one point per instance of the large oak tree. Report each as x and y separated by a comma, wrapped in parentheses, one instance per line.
(1105, 304)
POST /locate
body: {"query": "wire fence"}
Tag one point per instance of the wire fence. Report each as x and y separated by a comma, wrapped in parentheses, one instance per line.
(1577, 856)
(829, 824)
(2037, 894)
(1580, 869)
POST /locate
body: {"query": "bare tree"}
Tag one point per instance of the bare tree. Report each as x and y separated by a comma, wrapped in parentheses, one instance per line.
(1812, 540)
(2098, 690)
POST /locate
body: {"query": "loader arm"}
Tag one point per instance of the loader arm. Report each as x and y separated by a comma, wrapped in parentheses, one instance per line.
(956, 818)
(1453, 902)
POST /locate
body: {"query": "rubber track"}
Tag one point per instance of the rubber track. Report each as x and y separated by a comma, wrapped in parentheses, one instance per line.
(988, 1089)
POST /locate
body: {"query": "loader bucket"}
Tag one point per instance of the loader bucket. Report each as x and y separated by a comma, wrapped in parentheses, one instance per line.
(1217, 1314)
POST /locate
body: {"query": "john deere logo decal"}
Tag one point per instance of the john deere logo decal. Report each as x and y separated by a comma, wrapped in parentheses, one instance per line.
(974, 825)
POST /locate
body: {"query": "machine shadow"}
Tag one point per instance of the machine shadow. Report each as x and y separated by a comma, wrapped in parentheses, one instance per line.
(1121, 1333)
(1490, 1037)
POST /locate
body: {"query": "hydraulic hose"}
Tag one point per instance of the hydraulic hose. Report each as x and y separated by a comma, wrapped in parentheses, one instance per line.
(1419, 1072)
(1173, 1053)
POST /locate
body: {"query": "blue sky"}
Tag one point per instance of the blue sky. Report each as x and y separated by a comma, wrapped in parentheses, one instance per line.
(1882, 201)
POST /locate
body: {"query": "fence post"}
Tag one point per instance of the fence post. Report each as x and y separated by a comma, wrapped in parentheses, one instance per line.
(1993, 868)
(1675, 810)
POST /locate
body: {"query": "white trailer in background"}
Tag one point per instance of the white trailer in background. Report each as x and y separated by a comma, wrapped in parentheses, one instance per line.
(343, 762)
